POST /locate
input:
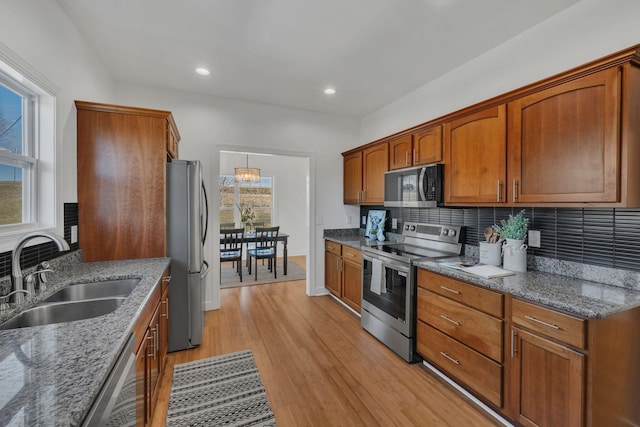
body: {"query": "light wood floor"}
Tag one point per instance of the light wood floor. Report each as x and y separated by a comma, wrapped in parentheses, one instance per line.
(319, 367)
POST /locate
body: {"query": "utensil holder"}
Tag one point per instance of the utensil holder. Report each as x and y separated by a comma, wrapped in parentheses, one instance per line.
(491, 253)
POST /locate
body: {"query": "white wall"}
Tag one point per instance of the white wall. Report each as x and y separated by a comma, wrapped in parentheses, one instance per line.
(43, 37)
(208, 125)
(584, 32)
(290, 176)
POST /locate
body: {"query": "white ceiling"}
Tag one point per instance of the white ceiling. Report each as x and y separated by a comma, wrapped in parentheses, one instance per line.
(285, 52)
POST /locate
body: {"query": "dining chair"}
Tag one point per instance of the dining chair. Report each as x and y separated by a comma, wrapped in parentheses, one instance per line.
(231, 241)
(266, 248)
(252, 229)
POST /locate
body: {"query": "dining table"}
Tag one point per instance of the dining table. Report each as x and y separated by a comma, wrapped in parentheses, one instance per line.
(250, 237)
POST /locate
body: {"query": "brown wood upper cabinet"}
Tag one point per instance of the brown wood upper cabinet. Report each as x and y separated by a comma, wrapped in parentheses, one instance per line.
(564, 143)
(475, 149)
(122, 154)
(364, 175)
(420, 148)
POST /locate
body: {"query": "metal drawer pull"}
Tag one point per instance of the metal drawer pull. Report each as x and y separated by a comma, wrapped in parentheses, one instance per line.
(549, 325)
(513, 343)
(457, 362)
(450, 320)
(450, 290)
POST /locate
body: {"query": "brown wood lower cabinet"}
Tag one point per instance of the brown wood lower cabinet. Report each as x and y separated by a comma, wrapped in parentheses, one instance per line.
(151, 353)
(342, 273)
(550, 368)
(547, 381)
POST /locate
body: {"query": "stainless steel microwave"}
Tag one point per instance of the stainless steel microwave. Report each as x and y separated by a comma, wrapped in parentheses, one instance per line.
(419, 187)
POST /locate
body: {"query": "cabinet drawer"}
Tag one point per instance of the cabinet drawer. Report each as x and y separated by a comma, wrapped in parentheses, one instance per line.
(479, 373)
(351, 255)
(474, 296)
(478, 330)
(332, 247)
(551, 323)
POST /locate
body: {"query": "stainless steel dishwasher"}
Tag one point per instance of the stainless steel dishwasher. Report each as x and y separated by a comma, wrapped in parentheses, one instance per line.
(116, 402)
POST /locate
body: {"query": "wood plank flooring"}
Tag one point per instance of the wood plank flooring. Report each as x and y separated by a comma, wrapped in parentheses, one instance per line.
(319, 367)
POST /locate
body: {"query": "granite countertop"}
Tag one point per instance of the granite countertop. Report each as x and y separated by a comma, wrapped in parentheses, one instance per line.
(578, 296)
(52, 374)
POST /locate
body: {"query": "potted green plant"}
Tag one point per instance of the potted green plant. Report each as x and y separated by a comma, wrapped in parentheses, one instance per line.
(514, 228)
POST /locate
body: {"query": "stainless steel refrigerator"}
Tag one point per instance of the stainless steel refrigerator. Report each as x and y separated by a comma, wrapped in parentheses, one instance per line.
(187, 214)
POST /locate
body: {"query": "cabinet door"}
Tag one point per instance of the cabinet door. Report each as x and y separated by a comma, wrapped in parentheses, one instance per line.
(332, 279)
(564, 142)
(121, 186)
(153, 361)
(351, 284)
(375, 162)
(352, 176)
(475, 157)
(172, 142)
(427, 146)
(401, 152)
(547, 382)
(141, 383)
(163, 336)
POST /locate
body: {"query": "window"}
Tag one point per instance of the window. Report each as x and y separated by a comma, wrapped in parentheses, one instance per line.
(27, 151)
(254, 197)
(17, 161)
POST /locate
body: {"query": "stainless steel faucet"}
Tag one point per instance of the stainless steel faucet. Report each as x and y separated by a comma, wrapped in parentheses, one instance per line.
(16, 271)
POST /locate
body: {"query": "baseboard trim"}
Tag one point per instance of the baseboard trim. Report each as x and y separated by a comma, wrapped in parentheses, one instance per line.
(471, 397)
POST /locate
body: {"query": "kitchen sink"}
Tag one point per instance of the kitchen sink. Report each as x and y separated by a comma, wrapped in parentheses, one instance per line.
(63, 312)
(93, 290)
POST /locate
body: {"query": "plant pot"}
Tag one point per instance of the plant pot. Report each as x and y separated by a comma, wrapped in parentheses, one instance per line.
(515, 255)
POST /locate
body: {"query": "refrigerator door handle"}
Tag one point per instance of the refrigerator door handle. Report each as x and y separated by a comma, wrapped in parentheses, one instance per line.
(205, 270)
(206, 214)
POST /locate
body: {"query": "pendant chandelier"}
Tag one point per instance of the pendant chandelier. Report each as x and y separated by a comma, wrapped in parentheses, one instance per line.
(247, 174)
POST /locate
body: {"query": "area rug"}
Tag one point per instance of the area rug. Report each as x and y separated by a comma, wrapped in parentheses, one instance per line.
(230, 279)
(220, 391)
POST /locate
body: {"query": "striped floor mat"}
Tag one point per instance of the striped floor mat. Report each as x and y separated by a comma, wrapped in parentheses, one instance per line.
(220, 391)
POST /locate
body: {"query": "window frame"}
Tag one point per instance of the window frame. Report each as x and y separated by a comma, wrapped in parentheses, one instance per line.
(41, 209)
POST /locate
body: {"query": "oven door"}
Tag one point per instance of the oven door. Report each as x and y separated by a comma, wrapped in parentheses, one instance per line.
(395, 305)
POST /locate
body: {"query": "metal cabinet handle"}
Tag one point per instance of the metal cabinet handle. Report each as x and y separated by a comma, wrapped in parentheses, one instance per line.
(152, 337)
(450, 290)
(499, 191)
(450, 320)
(548, 325)
(515, 190)
(457, 362)
(166, 309)
(513, 343)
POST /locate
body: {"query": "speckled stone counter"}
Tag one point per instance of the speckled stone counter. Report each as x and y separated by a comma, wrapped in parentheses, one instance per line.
(51, 374)
(576, 295)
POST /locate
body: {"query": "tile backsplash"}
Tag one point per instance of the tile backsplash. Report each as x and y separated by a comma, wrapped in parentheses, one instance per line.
(33, 255)
(598, 236)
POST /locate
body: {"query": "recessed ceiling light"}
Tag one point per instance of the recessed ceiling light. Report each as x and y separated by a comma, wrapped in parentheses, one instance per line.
(203, 71)
(329, 91)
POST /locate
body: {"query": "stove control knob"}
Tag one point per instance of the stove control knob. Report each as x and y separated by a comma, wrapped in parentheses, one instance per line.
(452, 233)
(406, 227)
(412, 228)
(445, 232)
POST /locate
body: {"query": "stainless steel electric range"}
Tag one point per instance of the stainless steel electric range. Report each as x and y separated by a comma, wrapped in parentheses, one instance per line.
(389, 282)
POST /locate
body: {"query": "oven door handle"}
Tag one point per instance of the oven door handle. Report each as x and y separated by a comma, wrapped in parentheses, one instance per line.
(388, 263)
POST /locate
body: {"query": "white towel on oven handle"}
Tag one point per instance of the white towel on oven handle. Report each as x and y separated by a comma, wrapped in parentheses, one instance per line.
(378, 277)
